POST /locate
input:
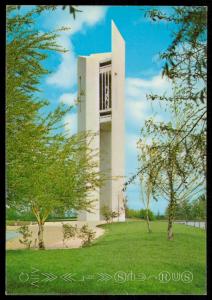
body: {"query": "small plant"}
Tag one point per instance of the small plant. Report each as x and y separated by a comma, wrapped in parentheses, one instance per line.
(69, 231)
(87, 235)
(108, 214)
(26, 234)
(114, 214)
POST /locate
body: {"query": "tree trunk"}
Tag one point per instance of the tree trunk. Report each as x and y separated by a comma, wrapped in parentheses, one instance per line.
(171, 219)
(170, 229)
(40, 236)
(148, 223)
(147, 207)
(171, 207)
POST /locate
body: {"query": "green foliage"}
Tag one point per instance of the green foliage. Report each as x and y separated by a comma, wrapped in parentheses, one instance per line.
(132, 213)
(158, 216)
(25, 53)
(143, 214)
(46, 169)
(199, 208)
(26, 235)
(14, 214)
(185, 64)
(69, 231)
(178, 148)
(87, 235)
(140, 213)
(191, 210)
(108, 214)
(40, 8)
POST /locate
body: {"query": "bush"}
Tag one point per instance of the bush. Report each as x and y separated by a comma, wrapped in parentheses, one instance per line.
(108, 214)
(143, 214)
(69, 231)
(87, 235)
(132, 213)
(26, 234)
(160, 217)
(139, 214)
(13, 214)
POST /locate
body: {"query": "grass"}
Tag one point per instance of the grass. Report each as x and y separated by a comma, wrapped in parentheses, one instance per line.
(125, 247)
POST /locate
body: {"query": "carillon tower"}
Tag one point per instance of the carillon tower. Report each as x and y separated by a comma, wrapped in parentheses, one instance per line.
(101, 79)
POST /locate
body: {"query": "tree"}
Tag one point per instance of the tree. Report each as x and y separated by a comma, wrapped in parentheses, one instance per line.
(63, 176)
(46, 169)
(183, 211)
(147, 178)
(24, 54)
(199, 208)
(173, 166)
(39, 8)
(185, 66)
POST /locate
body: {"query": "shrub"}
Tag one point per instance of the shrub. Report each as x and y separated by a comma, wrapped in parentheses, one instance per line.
(87, 235)
(143, 214)
(159, 216)
(108, 214)
(26, 234)
(69, 231)
(114, 214)
(132, 213)
(105, 211)
(13, 214)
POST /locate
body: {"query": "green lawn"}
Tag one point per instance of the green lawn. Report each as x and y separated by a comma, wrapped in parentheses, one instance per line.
(127, 253)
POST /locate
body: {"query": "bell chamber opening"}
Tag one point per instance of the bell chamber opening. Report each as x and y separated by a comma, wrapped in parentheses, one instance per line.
(105, 88)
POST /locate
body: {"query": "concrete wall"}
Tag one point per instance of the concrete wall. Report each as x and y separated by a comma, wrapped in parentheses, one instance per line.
(88, 119)
(105, 165)
(88, 115)
(118, 143)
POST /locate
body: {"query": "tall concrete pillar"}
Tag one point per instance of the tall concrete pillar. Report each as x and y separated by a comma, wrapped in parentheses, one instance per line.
(101, 110)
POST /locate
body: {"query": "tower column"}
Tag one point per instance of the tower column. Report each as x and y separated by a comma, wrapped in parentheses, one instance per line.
(101, 111)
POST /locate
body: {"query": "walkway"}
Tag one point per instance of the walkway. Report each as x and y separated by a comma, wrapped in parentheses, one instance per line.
(53, 235)
(198, 224)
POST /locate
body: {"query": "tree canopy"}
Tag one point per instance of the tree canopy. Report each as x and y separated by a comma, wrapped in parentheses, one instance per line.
(46, 168)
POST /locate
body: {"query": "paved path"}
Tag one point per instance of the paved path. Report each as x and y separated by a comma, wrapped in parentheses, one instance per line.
(200, 224)
(53, 236)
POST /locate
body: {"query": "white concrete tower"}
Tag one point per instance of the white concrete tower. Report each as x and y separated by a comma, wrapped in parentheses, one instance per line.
(101, 83)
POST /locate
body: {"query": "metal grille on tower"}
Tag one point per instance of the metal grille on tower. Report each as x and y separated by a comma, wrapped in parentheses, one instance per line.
(105, 88)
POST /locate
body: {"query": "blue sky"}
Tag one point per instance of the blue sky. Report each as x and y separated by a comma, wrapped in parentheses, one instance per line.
(90, 33)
